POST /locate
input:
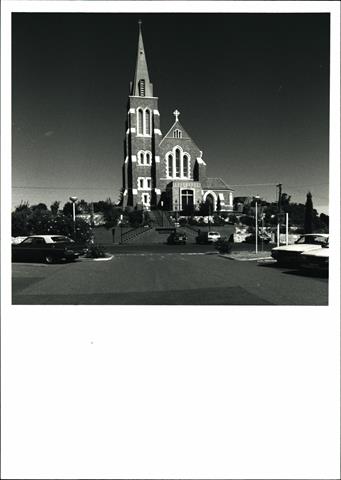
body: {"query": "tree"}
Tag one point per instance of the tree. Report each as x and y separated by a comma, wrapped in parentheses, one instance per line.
(308, 214)
(54, 207)
(39, 206)
(135, 218)
(19, 223)
(39, 221)
(83, 207)
(218, 204)
(67, 209)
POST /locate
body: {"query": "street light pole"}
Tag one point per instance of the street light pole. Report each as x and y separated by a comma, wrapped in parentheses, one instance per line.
(256, 227)
(74, 200)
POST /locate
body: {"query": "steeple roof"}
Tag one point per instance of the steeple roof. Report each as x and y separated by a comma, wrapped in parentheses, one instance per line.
(141, 85)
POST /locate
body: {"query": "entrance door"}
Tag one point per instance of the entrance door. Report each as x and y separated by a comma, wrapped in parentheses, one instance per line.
(209, 203)
(187, 201)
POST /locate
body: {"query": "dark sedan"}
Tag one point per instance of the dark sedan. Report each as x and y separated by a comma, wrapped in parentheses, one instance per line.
(47, 248)
(176, 238)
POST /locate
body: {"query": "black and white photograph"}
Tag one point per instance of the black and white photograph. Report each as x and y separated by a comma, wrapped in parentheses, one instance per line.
(177, 169)
(170, 181)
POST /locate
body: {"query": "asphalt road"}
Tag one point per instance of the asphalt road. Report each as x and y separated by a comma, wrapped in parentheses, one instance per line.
(168, 277)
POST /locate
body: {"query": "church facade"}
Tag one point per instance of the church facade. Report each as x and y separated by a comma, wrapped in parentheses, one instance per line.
(164, 171)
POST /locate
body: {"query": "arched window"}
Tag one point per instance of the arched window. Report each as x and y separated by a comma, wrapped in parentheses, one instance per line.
(170, 165)
(177, 133)
(148, 158)
(144, 157)
(140, 158)
(140, 121)
(147, 122)
(185, 165)
(177, 163)
(142, 89)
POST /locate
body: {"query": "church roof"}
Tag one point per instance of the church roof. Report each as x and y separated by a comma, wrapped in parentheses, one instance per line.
(177, 126)
(141, 71)
(214, 184)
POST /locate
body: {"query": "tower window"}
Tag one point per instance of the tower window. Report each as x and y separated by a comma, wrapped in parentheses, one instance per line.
(141, 182)
(147, 122)
(140, 122)
(142, 89)
(149, 183)
(177, 133)
(144, 157)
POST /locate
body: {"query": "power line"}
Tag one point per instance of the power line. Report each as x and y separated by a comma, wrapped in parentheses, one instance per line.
(59, 188)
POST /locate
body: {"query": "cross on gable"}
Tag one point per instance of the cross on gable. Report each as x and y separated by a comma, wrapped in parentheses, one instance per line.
(176, 113)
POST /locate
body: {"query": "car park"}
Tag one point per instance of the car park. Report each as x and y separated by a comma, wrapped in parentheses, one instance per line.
(290, 255)
(315, 260)
(207, 237)
(176, 238)
(47, 248)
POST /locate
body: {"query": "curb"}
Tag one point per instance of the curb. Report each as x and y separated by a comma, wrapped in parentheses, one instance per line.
(245, 259)
(106, 259)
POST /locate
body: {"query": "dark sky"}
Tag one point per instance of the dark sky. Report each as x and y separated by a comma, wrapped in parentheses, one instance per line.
(252, 89)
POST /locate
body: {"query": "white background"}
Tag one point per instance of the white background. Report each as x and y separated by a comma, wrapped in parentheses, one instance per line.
(170, 392)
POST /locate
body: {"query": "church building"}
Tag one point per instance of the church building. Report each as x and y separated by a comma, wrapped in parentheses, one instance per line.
(164, 171)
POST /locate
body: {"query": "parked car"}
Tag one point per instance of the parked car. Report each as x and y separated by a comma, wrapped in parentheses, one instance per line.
(289, 255)
(315, 260)
(176, 238)
(18, 239)
(47, 248)
(261, 238)
(207, 237)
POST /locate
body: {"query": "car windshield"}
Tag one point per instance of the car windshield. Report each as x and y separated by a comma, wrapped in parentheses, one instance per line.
(313, 240)
(62, 239)
(213, 233)
(28, 241)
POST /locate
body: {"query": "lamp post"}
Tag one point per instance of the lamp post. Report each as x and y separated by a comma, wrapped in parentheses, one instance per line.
(256, 222)
(161, 212)
(74, 200)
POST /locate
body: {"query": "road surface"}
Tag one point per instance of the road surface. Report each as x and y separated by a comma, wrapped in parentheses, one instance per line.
(169, 277)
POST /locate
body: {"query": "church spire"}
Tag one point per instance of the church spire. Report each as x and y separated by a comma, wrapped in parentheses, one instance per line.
(141, 86)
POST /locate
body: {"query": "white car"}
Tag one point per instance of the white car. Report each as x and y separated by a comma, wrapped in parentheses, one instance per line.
(290, 255)
(316, 260)
(213, 236)
(16, 240)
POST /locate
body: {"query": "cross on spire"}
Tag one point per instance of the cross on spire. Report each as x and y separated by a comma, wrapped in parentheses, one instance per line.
(176, 113)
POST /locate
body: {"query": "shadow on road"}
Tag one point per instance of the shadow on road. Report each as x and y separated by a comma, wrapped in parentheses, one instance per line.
(295, 271)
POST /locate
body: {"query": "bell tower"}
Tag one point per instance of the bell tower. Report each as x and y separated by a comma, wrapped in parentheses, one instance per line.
(141, 166)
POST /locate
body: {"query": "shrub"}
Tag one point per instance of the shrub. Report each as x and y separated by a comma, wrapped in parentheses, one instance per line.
(217, 220)
(224, 246)
(95, 251)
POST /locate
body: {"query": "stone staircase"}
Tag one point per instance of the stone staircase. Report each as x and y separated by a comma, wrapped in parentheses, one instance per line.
(160, 218)
(131, 235)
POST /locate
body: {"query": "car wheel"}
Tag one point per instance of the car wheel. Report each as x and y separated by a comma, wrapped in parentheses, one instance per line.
(49, 259)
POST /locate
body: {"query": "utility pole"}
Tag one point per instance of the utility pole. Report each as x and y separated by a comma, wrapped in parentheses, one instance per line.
(279, 186)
